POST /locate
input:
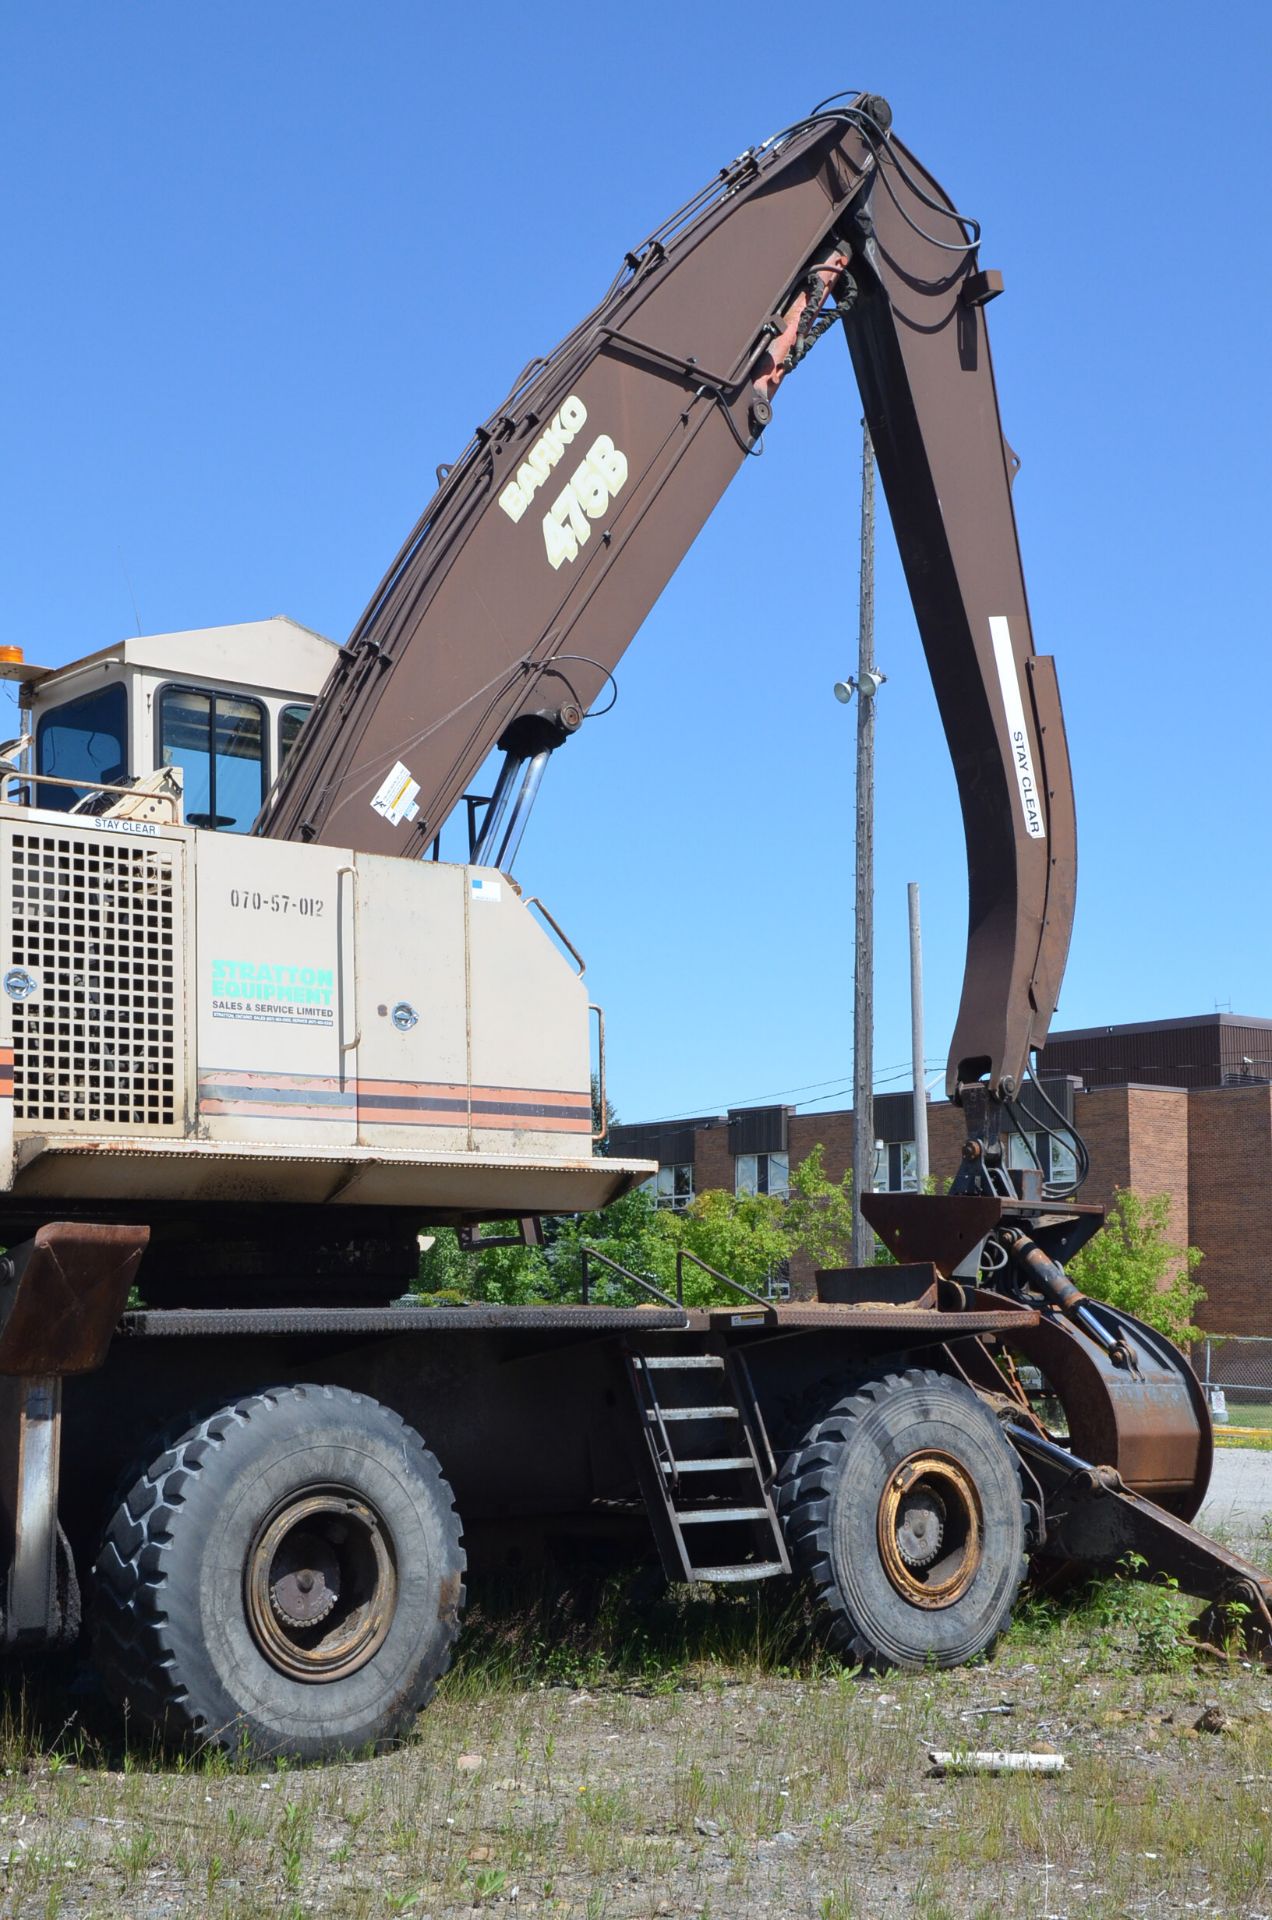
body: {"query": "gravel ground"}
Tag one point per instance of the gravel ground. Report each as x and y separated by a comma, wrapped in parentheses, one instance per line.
(714, 1789)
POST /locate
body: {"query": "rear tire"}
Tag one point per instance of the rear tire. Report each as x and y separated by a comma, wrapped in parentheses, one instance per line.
(903, 1506)
(284, 1579)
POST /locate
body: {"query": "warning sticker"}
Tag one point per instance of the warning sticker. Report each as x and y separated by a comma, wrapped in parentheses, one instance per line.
(1018, 734)
(395, 798)
(284, 996)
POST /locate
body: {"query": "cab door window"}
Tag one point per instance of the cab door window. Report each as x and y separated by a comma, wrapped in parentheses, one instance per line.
(218, 741)
(84, 739)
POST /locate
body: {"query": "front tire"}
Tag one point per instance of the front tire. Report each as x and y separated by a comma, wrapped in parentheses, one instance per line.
(903, 1506)
(284, 1579)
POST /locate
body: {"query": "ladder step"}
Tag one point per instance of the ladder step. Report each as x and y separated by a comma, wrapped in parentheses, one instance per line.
(705, 1516)
(728, 1465)
(753, 1570)
(678, 1362)
(697, 1413)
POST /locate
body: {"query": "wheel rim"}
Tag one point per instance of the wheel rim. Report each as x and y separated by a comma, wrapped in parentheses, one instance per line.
(930, 1529)
(321, 1584)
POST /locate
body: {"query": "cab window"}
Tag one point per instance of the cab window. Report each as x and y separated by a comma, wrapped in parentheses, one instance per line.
(218, 741)
(290, 721)
(84, 739)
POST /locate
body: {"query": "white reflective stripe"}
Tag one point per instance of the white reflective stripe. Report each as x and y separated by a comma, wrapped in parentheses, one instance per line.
(1017, 733)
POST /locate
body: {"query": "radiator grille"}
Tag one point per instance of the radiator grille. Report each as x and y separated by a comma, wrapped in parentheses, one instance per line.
(96, 921)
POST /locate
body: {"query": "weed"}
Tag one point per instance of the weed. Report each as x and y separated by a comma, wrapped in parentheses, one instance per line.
(136, 1853)
(1149, 1613)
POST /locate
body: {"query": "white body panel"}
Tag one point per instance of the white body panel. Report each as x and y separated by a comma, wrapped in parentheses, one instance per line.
(190, 1015)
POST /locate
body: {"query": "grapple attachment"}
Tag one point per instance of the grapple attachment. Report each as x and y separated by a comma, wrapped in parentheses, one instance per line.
(1106, 1414)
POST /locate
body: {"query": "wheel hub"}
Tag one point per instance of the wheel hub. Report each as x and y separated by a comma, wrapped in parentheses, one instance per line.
(920, 1526)
(320, 1585)
(304, 1580)
(930, 1529)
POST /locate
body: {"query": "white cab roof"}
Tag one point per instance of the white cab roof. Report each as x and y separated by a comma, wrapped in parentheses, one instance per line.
(273, 656)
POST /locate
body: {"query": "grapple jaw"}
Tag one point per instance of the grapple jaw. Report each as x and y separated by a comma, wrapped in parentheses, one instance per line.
(1129, 1398)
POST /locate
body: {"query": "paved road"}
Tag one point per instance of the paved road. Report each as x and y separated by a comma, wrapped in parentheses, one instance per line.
(1240, 1496)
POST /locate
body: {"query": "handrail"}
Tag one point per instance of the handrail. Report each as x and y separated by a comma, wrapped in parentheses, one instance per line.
(683, 1254)
(600, 1126)
(651, 1404)
(92, 786)
(593, 1253)
(564, 938)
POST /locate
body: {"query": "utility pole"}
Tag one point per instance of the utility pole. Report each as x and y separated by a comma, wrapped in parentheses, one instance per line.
(863, 1140)
(916, 1039)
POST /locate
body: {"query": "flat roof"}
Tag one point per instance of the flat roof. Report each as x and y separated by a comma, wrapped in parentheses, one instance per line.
(1162, 1026)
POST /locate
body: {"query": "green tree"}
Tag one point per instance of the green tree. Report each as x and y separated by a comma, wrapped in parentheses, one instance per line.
(1134, 1264)
(749, 1237)
(819, 1213)
(630, 1231)
(742, 1235)
(501, 1276)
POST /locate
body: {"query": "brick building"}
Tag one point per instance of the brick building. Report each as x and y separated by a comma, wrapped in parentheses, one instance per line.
(1203, 1137)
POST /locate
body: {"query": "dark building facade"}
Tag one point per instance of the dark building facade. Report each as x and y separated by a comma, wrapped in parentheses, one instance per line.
(1204, 1141)
(1210, 1050)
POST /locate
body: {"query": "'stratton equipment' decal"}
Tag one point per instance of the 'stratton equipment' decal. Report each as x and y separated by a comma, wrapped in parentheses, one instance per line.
(1022, 758)
(283, 996)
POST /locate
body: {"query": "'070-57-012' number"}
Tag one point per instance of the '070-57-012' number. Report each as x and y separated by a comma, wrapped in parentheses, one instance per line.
(304, 904)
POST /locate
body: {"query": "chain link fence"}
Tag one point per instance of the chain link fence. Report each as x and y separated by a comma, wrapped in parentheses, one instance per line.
(1236, 1372)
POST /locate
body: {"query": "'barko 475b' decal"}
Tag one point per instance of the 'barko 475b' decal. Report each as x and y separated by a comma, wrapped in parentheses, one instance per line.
(593, 484)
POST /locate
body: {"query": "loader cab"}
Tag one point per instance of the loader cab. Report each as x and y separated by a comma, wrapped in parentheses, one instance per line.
(222, 705)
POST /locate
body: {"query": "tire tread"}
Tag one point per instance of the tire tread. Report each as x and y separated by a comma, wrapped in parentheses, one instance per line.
(134, 1642)
(804, 1494)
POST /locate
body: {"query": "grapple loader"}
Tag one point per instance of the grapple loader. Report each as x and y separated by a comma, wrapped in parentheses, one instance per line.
(257, 1035)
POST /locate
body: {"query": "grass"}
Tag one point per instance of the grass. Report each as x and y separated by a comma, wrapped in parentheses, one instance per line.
(701, 1755)
(1244, 1412)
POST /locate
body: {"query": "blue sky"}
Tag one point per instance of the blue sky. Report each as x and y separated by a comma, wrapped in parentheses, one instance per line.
(270, 264)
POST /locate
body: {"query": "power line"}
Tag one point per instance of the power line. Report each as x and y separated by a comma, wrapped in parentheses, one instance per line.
(838, 1085)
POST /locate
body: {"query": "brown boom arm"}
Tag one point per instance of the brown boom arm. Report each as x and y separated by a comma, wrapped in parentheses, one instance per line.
(550, 539)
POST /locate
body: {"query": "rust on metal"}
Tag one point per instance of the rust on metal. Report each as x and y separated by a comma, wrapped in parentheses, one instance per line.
(1149, 1422)
(874, 1287)
(1095, 1519)
(930, 1529)
(64, 1296)
(320, 1585)
(927, 1323)
(941, 1228)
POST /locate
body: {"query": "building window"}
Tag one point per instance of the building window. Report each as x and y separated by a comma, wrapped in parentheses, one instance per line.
(672, 1186)
(763, 1173)
(218, 741)
(83, 739)
(896, 1168)
(1055, 1157)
